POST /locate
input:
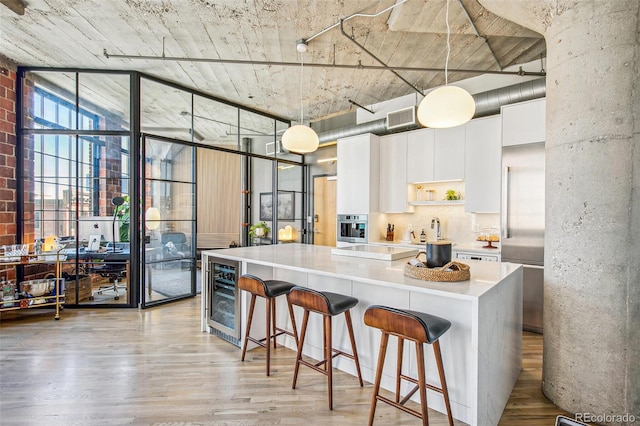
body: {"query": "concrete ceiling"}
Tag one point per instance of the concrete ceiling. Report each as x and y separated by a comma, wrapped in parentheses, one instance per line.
(74, 33)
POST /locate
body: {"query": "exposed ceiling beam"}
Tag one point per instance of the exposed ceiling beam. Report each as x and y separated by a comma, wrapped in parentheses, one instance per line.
(16, 6)
(315, 65)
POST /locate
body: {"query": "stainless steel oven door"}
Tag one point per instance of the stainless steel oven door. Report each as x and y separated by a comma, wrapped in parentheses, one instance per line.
(352, 228)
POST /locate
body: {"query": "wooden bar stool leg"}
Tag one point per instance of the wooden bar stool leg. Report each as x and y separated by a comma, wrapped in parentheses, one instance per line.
(293, 321)
(443, 381)
(347, 316)
(329, 357)
(273, 321)
(422, 383)
(376, 386)
(246, 333)
(399, 367)
(268, 337)
(305, 319)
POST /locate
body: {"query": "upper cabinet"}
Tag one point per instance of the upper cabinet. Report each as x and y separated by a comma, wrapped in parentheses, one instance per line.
(393, 173)
(523, 122)
(483, 152)
(449, 153)
(358, 176)
(420, 151)
(435, 154)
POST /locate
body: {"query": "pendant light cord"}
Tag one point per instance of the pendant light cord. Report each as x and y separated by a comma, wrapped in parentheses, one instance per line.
(446, 63)
(301, 81)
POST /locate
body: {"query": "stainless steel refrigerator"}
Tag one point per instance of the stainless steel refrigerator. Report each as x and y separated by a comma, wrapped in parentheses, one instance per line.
(523, 224)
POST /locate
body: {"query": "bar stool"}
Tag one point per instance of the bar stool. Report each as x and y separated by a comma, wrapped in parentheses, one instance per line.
(419, 328)
(328, 305)
(269, 289)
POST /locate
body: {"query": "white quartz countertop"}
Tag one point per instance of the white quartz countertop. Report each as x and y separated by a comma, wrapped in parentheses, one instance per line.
(319, 260)
(475, 247)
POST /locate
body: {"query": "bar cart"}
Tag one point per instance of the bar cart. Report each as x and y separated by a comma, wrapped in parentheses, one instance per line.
(33, 293)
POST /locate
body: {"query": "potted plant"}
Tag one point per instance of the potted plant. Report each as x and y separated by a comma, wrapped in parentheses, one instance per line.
(259, 230)
(452, 195)
(123, 219)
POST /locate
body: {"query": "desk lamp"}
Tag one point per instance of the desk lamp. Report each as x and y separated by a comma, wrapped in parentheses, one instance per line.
(116, 201)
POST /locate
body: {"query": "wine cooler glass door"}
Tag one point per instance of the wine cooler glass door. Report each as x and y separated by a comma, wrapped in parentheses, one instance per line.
(224, 306)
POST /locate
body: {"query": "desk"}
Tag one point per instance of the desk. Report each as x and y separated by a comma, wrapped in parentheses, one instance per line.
(108, 264)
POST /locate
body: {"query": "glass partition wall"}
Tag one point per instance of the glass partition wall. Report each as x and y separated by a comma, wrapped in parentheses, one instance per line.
(131, 188)
(75, 134)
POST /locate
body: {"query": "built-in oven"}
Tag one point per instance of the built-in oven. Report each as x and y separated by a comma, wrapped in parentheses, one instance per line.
(353, 228)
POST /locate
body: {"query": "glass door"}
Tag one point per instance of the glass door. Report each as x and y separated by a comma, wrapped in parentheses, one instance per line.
(168, 220)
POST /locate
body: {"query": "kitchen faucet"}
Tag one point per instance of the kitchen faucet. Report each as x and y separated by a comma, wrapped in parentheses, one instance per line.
(436, 222)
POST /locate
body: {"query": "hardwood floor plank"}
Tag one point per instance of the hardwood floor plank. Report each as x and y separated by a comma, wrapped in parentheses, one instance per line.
(126, 366)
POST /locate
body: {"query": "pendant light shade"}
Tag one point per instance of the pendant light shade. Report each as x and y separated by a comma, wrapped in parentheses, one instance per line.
(300, 139)
(152, 218)
(446, 106)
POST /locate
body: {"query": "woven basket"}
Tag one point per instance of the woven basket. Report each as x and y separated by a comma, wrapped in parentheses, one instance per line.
(457, 272)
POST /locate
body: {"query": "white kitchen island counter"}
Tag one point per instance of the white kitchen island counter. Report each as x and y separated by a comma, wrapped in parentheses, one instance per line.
(482, 351)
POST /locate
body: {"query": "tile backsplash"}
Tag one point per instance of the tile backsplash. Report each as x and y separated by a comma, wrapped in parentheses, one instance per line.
(456, 225)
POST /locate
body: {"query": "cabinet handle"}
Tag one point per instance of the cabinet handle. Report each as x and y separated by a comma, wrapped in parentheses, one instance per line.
(506, 233)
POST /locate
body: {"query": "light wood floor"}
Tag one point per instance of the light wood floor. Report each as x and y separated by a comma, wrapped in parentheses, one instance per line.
(126, 366)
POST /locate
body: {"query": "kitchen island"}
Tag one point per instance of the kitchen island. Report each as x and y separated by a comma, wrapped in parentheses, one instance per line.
(482, 351)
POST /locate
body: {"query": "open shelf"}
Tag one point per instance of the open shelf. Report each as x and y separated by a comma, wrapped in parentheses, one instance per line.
(436, 203)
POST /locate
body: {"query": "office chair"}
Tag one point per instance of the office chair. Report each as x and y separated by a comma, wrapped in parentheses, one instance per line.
(115, 269)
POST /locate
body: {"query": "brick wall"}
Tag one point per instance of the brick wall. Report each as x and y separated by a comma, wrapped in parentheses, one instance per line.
(8, 201)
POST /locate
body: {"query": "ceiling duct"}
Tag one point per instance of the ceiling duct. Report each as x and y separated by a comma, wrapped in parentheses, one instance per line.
(487, 103)
(377, 127)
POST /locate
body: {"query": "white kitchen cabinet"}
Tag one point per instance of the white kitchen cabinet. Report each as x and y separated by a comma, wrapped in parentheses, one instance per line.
(420, 151)
(358, 182)
(483, 153)
(393, 173)
(449, 153)
(523, 122)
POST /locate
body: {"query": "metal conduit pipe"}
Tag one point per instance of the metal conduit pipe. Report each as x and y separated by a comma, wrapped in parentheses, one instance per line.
(487, 103)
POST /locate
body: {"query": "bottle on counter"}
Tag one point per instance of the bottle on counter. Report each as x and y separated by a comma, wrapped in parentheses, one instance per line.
(423, 236)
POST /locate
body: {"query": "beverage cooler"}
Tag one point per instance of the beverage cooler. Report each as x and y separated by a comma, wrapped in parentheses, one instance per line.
(223, 298)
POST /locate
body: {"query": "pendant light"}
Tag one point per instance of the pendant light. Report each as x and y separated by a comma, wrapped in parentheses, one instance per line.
(446, 106)
(300, 139)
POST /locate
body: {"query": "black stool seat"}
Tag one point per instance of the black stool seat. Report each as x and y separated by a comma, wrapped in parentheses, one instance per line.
(432, 326)
(420, 328)
(275, 288)
(328, 305)
(335, 303)
(270, 290)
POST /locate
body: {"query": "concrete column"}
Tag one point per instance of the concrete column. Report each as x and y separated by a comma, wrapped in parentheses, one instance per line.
(592, 239)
